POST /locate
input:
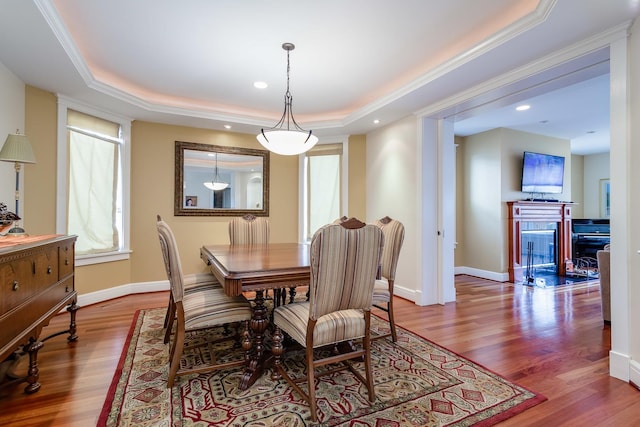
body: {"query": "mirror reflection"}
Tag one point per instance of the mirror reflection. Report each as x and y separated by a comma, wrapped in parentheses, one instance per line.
(216, 180)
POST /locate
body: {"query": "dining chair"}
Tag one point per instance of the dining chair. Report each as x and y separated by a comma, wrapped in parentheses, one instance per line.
(248, 229)
(191, 282)
(393, 231)
(344, 261)
(200, 308)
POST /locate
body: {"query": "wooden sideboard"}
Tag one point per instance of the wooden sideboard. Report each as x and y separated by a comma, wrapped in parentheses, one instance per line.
(36, 283)
(529, 211)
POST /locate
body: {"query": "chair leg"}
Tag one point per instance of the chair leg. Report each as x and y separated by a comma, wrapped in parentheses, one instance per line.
(392, 322)
(311, 384)
(168, 321)
(175, 354)
(366, 343)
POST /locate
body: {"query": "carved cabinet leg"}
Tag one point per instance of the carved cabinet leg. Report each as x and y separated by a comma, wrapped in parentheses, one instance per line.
(33, 374)
(72, 324)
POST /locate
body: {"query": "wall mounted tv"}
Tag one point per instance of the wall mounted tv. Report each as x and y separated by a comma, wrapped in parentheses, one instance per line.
(542, 173)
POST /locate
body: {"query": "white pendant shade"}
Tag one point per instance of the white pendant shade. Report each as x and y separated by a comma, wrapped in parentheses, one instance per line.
(216, 186)
(287, 137)
(287, 142)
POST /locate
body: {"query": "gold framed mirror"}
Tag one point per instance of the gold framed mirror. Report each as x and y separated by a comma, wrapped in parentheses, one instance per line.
(212, 180)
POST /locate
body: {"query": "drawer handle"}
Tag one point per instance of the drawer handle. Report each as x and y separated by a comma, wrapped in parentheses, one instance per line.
(16, 285)
(66, 262)
(49, 269)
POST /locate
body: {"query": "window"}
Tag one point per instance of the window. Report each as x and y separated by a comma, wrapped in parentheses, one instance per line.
(93, 181)
(324, 184)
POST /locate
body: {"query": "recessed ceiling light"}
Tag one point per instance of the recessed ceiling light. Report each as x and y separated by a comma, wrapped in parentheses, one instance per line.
(523, 107)
(227, 126)
(260, 85)
(376, 121)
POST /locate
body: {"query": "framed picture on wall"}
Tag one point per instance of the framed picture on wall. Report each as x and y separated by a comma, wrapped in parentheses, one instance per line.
(191, 201)
(605, 198)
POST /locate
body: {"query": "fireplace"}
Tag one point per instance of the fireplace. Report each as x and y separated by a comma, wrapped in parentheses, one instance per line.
(539, 235)
(539, 242)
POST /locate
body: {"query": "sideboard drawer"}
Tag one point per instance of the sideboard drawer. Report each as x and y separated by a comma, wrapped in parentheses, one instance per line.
(17, 283)
(45, 267)
(66, 256)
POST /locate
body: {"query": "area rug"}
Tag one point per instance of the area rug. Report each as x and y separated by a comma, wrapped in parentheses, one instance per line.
(417, 383)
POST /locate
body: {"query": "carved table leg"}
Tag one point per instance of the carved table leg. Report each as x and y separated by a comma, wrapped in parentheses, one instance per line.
(292, 294)
(33, 373)
(72, 324)
(258, 325)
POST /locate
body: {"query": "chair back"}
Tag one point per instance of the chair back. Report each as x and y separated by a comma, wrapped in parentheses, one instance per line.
(344, 263)
(248, 229)
(171, 259)
(393, 231)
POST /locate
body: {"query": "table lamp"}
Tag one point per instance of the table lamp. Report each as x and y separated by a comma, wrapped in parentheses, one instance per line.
(17, 149)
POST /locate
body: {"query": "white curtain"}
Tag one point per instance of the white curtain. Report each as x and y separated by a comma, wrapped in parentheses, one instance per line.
(93, 193)
(324, 190)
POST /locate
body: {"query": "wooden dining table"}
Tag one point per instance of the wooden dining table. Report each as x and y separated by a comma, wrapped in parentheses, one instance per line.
(258, 268)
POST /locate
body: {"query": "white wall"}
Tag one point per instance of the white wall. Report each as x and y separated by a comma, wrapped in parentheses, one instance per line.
(392, 190)
(11, 118)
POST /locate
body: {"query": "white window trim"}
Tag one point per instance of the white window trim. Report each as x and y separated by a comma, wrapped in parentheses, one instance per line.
(302, 177)
(64, 104)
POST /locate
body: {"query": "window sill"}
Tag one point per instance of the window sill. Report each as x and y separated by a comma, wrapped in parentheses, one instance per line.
(101, 258)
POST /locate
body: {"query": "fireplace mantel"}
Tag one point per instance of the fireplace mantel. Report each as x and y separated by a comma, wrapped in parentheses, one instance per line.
(528, 211)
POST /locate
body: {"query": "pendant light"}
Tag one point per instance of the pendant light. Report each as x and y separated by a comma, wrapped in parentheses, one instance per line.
(217, 184)
(287, 137)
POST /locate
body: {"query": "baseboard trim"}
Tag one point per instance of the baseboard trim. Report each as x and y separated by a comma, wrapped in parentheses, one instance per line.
(483, 274)
(621, 366)
(634, 373)
(121, 291)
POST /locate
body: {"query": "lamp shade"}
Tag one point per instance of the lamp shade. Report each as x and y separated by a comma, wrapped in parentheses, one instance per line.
(216, 186)
(17, 148)
(287, 142)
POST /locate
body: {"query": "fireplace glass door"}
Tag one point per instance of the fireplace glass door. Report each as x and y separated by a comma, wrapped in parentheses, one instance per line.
(540, 248)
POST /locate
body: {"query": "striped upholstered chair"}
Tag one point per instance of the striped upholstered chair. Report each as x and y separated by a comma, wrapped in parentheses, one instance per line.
(393, 231)
(248, 229)
(200, 308)
(191, 282)
(344, 263)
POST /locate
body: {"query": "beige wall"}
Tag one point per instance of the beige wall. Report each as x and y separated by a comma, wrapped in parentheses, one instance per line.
(596, 167)
(491, 176)
(357, 177)
(481, 239)
(459, 255)
(152, 193)
(577, 186)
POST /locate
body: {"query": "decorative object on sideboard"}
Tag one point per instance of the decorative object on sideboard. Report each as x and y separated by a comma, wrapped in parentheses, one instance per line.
(287, 137)
(17, 149)
(6, 218)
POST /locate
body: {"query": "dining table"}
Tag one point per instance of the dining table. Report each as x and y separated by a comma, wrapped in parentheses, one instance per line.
(259, 268)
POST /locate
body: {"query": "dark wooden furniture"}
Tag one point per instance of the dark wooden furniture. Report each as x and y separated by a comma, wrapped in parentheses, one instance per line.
(258, 267)
(529, 211)
(36, 283)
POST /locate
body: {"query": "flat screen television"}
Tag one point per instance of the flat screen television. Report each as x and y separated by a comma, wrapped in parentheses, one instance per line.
(542, 173)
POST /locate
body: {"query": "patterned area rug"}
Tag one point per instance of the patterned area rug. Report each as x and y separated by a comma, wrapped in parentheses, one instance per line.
(417, 383)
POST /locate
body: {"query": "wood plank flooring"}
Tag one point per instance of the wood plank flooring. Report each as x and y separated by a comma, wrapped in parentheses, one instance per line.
(552, 341)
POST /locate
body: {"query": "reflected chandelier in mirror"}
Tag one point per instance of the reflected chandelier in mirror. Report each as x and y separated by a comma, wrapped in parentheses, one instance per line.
(200, 169)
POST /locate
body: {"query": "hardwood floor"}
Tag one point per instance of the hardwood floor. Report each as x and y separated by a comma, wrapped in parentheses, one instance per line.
(552, 341)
